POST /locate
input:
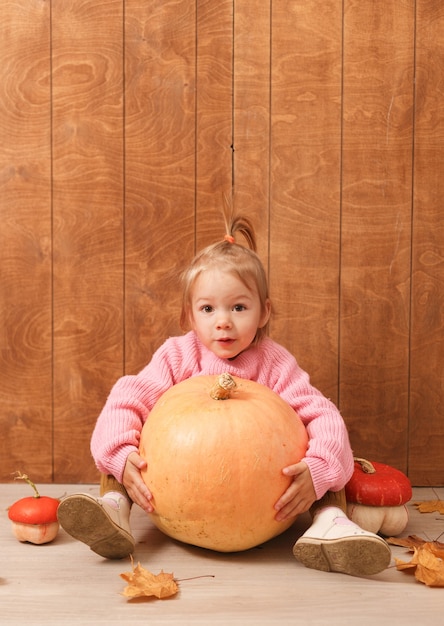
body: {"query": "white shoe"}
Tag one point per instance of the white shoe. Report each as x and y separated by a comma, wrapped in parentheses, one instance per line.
(333, 543)
(103, 527)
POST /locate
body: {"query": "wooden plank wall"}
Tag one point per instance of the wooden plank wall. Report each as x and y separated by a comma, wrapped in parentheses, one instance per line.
(376, 246)
(127, 125)
(25, 239)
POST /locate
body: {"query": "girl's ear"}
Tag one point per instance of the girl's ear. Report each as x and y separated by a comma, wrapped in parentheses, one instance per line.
(266, 314)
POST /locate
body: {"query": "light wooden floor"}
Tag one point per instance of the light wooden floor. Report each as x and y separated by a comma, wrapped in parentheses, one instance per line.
(65, 583)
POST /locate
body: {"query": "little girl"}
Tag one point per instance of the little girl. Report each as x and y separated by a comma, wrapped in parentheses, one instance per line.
(226, 309)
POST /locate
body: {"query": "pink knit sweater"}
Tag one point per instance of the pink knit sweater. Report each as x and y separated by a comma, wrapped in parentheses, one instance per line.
(117, 431)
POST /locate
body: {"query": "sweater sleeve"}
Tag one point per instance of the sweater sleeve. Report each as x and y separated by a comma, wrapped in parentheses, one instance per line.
(329, 455)
(119, 425)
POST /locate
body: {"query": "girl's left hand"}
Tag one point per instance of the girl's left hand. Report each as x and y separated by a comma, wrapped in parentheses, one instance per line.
(134, 484)
(299, 496)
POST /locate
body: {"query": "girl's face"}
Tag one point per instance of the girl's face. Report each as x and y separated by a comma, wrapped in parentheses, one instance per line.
(225, 314)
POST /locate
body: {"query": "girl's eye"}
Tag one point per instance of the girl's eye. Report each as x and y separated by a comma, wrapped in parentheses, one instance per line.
(239, 307)
(207, 308)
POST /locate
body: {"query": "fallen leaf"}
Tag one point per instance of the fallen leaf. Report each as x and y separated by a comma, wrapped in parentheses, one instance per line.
(430, 569)
(407, 565)
(437, 548)
(143, 583)
(427, 561)
(410, 542)
(430, 506)
(413, 541)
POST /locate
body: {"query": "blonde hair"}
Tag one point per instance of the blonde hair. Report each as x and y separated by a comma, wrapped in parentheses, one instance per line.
(230, 256)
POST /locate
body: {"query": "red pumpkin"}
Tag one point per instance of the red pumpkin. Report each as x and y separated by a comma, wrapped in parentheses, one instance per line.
(34, 518)
(215, 465)
(376, 484)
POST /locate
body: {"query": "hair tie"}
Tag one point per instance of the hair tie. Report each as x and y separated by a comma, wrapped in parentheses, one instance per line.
(229, 238)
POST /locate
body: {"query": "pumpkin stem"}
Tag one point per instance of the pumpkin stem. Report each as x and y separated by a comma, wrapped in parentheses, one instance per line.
(26, 478)
(366, 466)
(223, 387)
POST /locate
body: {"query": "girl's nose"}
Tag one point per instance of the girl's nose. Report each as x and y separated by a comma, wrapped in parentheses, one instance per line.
(223, 322)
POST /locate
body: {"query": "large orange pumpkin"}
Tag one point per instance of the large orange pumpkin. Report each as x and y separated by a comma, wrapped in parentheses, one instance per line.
(215, 456)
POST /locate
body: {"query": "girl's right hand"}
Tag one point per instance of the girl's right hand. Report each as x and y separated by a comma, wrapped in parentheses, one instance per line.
(134, 484)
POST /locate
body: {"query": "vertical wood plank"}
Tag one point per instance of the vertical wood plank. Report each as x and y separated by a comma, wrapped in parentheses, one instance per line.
(166, 107)
(251, 127)
(427, 344)
(214, 117)
(305, 183)
(376, 226)
(25, 241)
(159, 169)
(88, 211)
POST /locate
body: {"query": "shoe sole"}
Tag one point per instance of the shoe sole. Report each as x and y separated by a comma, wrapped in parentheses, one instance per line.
(356, 556)
(82, 517)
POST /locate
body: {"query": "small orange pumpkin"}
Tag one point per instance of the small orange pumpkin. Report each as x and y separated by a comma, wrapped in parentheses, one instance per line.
(215, 449)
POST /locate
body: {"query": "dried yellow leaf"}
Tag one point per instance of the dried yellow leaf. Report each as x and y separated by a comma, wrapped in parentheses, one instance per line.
(410, 542)
(406, 565)
(142, 583)
(427, 562)
(430, 569)
(430, 506)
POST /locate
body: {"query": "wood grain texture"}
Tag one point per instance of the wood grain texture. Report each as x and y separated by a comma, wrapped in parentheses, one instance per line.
(214, 118)
(87, 50)
(427, 343)
(251, 125)
(25, 241)
(127, 125)
(305, 184)
(376, 227)
(160, 145)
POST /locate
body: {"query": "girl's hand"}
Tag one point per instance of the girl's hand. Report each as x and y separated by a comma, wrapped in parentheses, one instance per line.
(299, 496)
(134, 484)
